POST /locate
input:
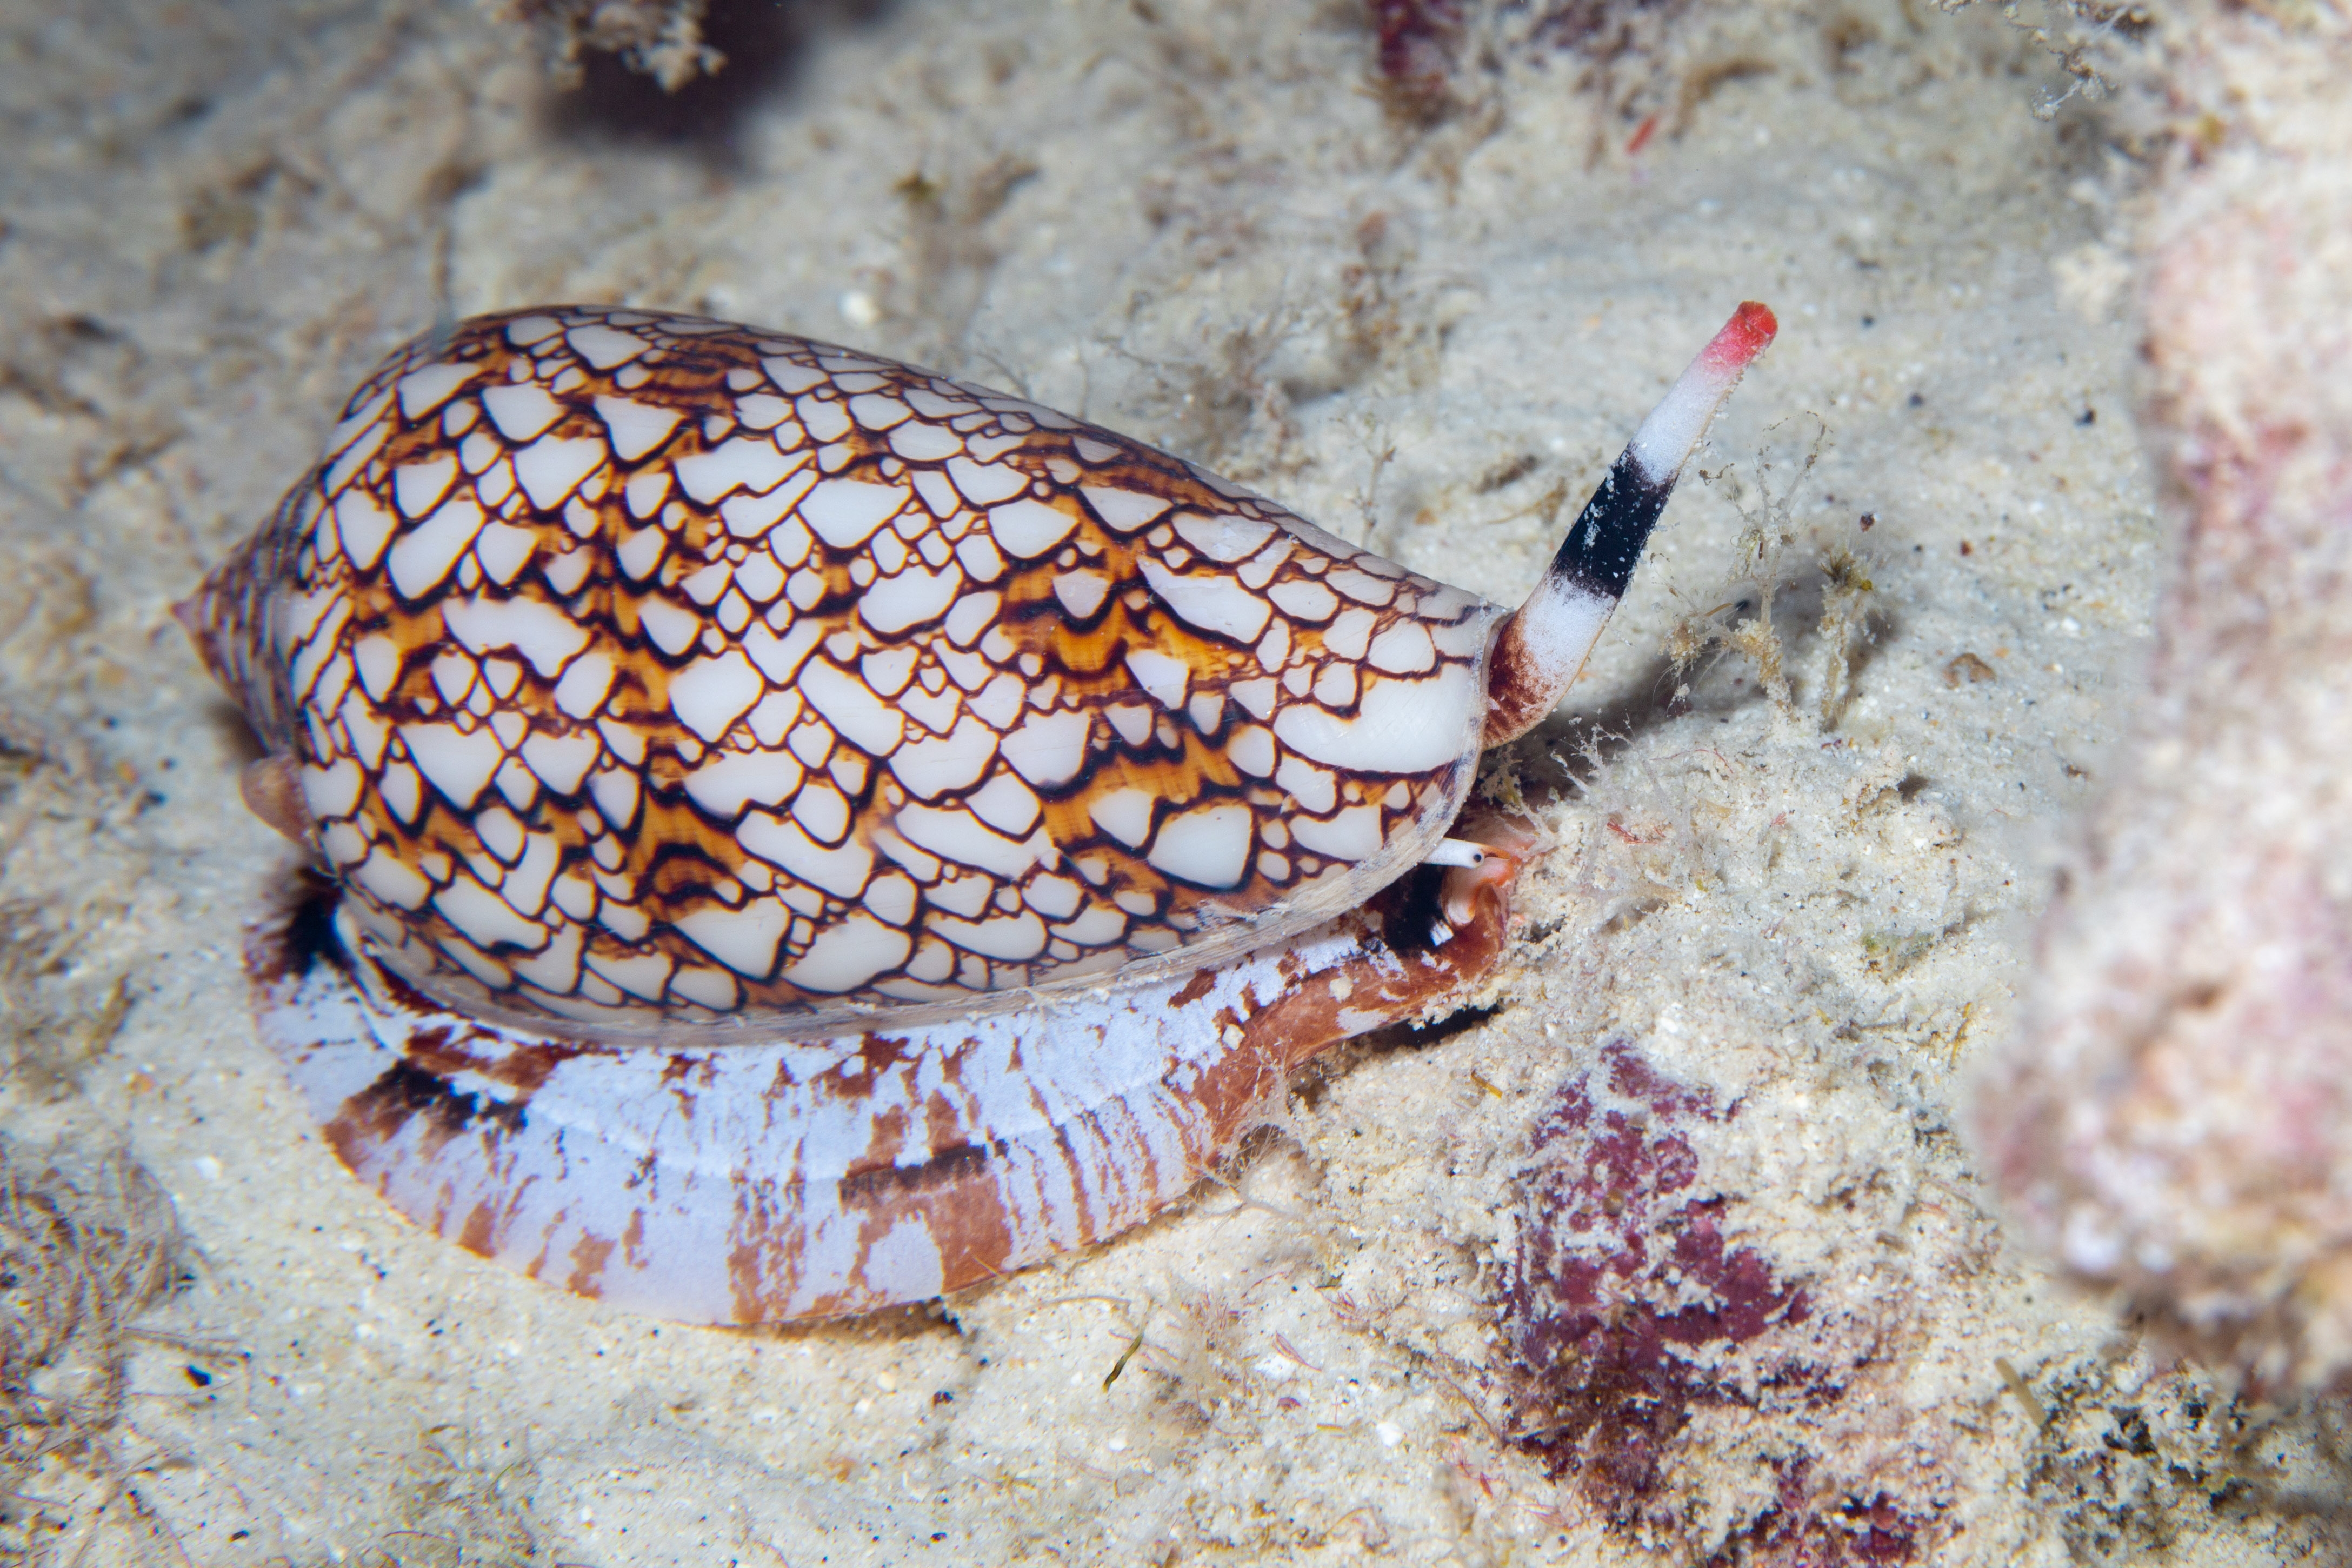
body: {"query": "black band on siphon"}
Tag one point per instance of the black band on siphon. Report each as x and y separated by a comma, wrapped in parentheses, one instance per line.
(1605, 545)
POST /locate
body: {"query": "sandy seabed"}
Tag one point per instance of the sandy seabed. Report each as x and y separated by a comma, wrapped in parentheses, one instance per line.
(1789, 904)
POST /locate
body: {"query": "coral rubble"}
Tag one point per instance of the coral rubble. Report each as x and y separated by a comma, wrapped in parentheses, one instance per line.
(2171, 1121)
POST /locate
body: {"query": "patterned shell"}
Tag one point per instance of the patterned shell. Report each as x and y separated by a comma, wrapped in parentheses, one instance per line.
(649, 674)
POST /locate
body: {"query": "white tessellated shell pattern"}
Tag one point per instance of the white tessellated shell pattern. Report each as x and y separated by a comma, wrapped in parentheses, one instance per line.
(653, 676)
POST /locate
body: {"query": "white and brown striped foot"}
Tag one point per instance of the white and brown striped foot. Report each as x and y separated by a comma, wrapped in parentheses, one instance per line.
(746, 1184)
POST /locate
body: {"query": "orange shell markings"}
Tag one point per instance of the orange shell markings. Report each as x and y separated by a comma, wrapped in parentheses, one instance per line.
(653, 673)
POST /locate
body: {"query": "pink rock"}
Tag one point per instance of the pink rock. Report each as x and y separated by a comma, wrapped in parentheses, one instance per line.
(2171, 1121)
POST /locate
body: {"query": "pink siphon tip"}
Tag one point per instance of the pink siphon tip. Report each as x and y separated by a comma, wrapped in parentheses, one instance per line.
(1749, 333)
(1673, 428)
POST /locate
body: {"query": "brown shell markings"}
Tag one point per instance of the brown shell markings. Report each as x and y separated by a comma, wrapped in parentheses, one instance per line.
(647, 673)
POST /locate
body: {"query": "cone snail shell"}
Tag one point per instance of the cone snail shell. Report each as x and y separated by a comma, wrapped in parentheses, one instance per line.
(806, 834)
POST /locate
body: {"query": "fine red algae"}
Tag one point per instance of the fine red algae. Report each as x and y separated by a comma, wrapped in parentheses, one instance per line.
(1623, 1279)
(1423, 49)
(1799, 1532)
(1417, 41)
(1632, 1308)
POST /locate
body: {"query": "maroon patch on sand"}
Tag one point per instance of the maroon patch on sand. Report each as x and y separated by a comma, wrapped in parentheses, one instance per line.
(1627, 1308)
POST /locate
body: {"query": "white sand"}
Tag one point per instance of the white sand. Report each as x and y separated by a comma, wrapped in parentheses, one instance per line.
(1201, 230)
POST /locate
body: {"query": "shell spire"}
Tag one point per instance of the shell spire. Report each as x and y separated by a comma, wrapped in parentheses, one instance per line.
(1541, 649)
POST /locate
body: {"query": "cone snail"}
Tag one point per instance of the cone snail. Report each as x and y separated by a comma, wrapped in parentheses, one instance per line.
(799, 833)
